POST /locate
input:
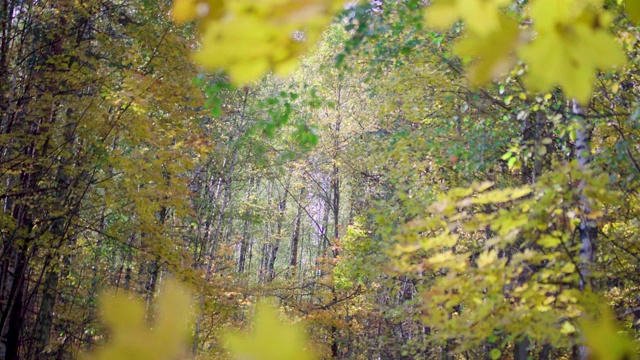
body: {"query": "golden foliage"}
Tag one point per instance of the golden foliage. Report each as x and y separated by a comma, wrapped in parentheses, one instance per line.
(132, 338)
(271, 339)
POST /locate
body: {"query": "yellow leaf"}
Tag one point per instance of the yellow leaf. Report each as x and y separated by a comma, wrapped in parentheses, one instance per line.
(133, 339)
(568, 268)
(548, 241)
(184, 10)
(251, 38)
(605, 340)
(543, 308)
(567, 328)
(632, 8)
(569, 47)
(480, 16)
(483, 186)
(493, 51)
(188, 10)
(270, 339)
(487, 258)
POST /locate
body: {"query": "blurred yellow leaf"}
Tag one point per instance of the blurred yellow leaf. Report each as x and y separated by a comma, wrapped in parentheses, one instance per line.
(567, 328)
(249, 38)
(188, 10)
(548, 241)
(133, 339)
(271, 339)
(481, 16)
(487, 258)
(632, 8)
(572, 42)
(493, 51)
(605, 340)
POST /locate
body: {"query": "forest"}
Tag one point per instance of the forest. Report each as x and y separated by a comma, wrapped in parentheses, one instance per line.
(320, 179)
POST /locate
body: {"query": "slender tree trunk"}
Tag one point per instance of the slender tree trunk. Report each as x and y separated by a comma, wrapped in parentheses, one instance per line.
(295, 238)
(154, 266)
(14, 309)
(335, 185)
(266, 246)
(15, 322)
(545, 352)
(588, 228)
(530, 175)
(521, 349)
(246, 236)
(275, 243)
(45, 318)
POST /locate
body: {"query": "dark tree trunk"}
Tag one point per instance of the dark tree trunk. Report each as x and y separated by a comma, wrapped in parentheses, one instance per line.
(295, 237)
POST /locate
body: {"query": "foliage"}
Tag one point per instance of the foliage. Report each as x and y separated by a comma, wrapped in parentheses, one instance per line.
(270, 339)
(502, 260)
(604, 338)
(248, 38)
(435, 180)
(132, 338)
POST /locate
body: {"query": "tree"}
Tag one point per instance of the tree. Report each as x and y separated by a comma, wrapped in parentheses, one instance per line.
(434, 180)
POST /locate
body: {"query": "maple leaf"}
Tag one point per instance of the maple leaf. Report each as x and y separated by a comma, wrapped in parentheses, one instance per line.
(568, 49)
(132, 338)
(494, 52)
(480, 16)
(270, 339)
(248, 38)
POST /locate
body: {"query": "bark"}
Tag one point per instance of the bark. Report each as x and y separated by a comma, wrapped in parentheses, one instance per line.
(588, 229)
(244, 244)
(15, 323)
(335, 184)
(521, 349)
(262, 275)
(154, 273)
(226, 197)
(295, 237)
(545, 353)
(275, 242)
(45, 318)
(533, 134)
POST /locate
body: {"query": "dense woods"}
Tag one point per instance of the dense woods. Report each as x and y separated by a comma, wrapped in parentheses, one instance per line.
(399, 179)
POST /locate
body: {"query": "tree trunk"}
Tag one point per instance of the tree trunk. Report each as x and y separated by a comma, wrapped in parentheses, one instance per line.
(588, 228)
(521, 349)
(45, 317)
(246, 236)
(275, 243)
(295, 238)
(15, 310)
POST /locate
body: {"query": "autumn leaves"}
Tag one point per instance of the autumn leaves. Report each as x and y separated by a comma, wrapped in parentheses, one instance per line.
(562, 43)
(250, 38)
